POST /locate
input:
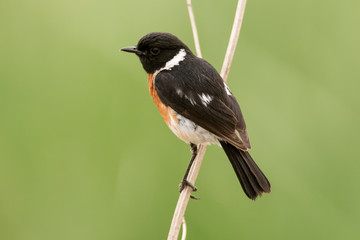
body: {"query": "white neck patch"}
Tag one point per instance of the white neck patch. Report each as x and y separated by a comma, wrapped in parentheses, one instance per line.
(180, 56)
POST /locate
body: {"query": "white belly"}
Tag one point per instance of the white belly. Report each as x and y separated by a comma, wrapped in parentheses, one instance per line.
(188, 131)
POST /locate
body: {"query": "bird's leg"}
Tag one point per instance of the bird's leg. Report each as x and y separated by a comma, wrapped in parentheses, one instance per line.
(184, 181)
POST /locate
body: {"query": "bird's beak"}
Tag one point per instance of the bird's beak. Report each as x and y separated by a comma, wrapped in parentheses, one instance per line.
(132, 50)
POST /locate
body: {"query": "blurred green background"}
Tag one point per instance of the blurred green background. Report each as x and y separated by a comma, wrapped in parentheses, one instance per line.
(84, 153)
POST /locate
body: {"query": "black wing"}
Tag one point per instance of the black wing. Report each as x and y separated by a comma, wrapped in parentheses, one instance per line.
(196, 91)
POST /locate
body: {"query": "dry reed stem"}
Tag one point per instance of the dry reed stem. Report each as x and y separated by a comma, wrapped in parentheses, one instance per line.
(178, 217)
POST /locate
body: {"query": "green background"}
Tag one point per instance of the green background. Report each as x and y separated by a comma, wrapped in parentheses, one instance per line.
(84, 153)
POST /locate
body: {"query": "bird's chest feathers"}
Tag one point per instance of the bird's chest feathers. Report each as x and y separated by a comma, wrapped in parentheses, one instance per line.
(164, 110)
(184, 128)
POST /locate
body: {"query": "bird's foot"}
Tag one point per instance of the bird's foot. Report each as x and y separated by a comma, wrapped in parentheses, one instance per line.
(184, 183)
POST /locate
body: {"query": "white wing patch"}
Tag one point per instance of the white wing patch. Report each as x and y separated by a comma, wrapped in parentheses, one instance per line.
(206, 98)
(179, 92)
(227, 89)
(192, 101)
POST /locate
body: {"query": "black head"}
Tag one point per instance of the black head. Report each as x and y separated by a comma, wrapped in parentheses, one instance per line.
(156, 49)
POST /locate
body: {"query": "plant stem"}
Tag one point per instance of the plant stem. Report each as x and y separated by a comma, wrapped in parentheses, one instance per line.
(194, 171)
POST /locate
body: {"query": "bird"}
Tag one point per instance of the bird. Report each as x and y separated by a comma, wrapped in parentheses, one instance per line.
(198, 106)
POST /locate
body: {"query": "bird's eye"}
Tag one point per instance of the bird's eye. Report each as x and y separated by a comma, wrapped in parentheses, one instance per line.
(154, 51)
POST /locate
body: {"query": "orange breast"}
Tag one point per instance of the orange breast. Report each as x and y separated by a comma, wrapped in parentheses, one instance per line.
(164, 110)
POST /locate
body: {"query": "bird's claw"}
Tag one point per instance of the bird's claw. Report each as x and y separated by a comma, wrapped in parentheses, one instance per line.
(185, 183)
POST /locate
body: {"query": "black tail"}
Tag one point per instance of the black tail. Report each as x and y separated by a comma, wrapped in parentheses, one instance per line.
(251, 178)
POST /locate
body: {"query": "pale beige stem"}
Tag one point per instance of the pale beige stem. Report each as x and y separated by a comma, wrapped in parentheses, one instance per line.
(194, 29)
(230, 51)
(185, 195)
(183, 236)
